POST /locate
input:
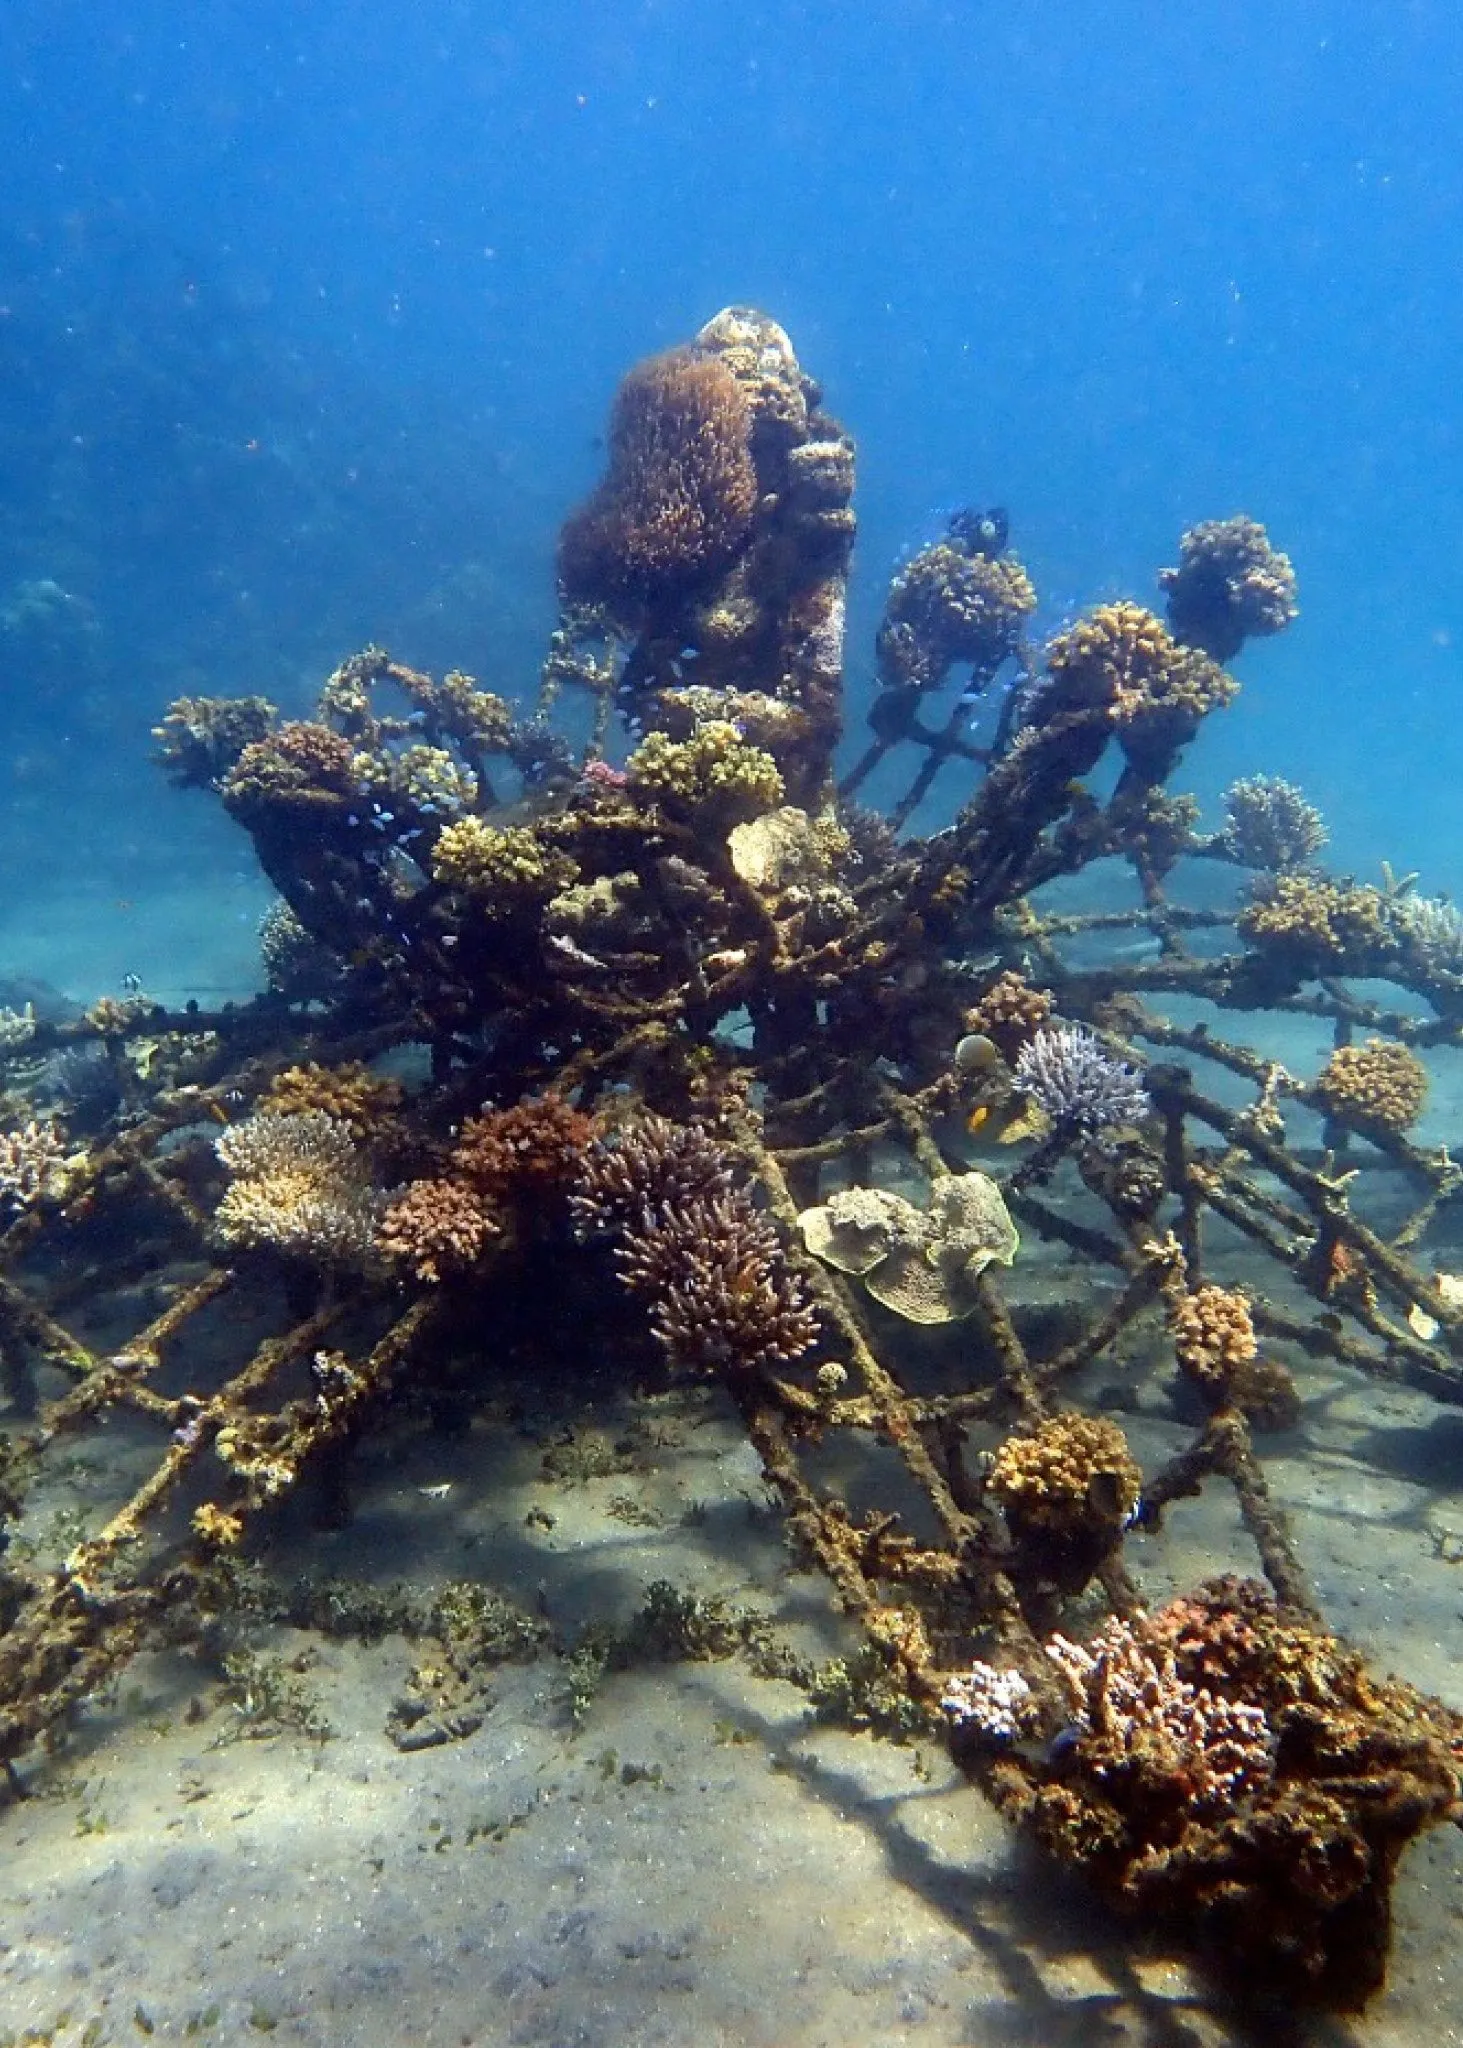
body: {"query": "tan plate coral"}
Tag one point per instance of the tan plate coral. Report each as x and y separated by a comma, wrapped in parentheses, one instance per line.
(919, 1262)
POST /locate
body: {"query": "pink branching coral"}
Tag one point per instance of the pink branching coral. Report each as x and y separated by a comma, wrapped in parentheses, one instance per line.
(720, 1292)
(437, 1227)
(649, 1166)
(531, 1152)
(1145, 1728)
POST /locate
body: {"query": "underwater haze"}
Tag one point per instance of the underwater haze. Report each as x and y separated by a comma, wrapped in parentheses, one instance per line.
(590, 1330)
(311, 317)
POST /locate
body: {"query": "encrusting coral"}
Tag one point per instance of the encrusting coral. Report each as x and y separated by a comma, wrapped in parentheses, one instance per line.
(1378, 1083)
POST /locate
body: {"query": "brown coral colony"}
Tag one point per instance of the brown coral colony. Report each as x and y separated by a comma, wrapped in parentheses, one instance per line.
(677, 502)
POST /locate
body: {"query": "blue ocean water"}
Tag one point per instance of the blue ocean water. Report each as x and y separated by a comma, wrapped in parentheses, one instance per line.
(310, 317)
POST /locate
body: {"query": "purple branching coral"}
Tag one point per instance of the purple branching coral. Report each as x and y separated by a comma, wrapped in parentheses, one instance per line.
(695, 1248)
(1076, 1082)
(650, 1166)
(720, 1292)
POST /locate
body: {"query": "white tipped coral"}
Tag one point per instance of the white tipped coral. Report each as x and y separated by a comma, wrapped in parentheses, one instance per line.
(1073, 1079)
(1138, 1718)
(300, 1184)
(999, 1703)
(32, 1164)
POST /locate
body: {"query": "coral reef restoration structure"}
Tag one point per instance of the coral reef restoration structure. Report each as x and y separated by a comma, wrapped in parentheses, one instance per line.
(642, 1012)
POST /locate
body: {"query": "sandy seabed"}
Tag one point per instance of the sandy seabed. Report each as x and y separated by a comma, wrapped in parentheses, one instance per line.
(698, 1861)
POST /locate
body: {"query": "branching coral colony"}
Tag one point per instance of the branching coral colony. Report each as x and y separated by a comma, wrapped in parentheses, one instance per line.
(680, 1016)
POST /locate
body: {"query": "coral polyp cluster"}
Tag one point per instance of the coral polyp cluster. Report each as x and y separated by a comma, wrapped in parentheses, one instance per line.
(1230, 586)
(1313, 926)
(1010, 1013)
(501, 868)
(1214, 1336)
(1073, 1482)
(1218, 1354)
(350, 1093)
(1380, 1083)
(1123, 660)
(908, 1153)
(713, 775)
(953, 604)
